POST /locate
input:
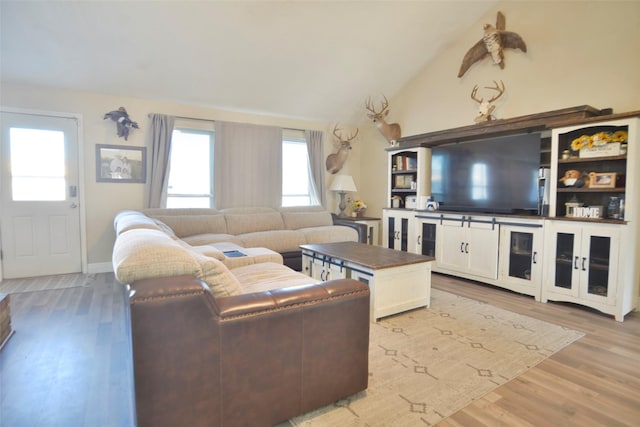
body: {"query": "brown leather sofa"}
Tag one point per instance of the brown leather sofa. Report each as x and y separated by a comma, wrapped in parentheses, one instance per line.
(253, 359)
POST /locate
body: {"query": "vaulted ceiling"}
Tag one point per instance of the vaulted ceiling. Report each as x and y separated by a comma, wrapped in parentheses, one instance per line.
(316, 60)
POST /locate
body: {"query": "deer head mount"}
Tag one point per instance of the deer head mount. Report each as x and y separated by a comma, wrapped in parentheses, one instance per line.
(486, 108)
(336, 160)
(391, 131)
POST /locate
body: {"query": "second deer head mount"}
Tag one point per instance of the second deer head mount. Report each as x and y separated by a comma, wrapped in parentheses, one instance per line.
(486, 108)
(336, 160)
(391, 131)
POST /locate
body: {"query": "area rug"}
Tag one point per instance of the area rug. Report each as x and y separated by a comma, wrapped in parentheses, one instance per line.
(46, 283)
(426, 364)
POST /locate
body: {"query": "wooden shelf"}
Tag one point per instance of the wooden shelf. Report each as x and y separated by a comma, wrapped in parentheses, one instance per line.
(524, 124)
(401, 171)
(591, 159)
(591, 190)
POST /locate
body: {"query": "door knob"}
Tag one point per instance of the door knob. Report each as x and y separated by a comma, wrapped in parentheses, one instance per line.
(73, 206)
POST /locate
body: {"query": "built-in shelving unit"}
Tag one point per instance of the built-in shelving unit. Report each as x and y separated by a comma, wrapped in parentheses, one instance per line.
(409, 175)
(593, 261)
(588, 191)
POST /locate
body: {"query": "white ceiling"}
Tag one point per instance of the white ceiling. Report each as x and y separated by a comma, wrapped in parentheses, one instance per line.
(316, 60)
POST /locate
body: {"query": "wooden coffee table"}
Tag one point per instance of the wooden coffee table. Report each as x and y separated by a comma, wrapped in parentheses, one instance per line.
(398, 281)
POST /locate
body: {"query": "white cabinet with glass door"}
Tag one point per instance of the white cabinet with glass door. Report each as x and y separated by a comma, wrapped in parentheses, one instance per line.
(520, 257)
(396, 228)
(595, 261)
(425, 236)
(583, 262)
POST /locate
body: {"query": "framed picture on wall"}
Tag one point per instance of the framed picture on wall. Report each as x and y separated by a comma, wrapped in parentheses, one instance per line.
(121, 163)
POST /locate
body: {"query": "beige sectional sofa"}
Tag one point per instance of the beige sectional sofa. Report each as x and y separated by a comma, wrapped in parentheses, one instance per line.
(236, 341)
(281, 230)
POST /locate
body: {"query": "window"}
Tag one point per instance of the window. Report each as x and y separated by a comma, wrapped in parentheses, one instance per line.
(296, 184)
(191, 167)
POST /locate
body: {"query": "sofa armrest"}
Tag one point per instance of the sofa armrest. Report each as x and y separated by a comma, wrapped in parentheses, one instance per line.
(360, 228)
(251, 359)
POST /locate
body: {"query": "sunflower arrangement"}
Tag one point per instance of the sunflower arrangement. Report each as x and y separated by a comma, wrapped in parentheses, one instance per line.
(581, 142)
(358, 206)
(598, 139)
(619, 136)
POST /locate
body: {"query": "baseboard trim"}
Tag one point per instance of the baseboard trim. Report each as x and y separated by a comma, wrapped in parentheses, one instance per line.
(101, 267)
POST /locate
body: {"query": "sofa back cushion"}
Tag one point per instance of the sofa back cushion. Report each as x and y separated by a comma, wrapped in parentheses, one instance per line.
(129, 220)
(298, 220)
(241, 223)
(179, 211)
(142, 254)
(217, 276)
(190, 225)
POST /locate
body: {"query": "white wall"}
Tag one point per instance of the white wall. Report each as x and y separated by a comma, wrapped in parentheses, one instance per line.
(578, 53)
(103, 200)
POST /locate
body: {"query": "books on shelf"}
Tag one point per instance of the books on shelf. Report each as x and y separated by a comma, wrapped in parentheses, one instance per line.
(403, 162)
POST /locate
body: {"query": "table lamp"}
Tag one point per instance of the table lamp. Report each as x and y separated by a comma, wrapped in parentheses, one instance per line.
(342, 184)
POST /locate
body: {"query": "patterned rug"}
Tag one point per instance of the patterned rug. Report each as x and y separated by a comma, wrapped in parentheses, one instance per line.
(46, 283)
(427, 364)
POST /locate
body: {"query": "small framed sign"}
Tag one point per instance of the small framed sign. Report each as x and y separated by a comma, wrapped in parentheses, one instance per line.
(120, 163)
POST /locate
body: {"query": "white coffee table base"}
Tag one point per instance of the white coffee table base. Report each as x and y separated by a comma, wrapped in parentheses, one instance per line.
(394, 289)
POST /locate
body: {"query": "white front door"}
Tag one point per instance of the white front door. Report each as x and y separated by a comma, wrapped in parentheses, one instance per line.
(39, 218)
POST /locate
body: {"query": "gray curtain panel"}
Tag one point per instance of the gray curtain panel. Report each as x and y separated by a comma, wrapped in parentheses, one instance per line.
(247, 165)
(161, 131)
(315, 150)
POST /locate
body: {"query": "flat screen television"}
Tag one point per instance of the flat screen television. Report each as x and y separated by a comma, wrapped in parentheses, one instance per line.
(494, 175)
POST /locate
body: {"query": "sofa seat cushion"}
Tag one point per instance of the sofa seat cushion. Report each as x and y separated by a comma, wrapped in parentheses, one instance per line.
(211, 238)
(207, 250)
(268, 276)
(250, 255)
(276, 240)
(329, 234)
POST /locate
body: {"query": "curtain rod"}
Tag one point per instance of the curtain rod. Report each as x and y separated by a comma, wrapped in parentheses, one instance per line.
(211, 120)
(186, 118)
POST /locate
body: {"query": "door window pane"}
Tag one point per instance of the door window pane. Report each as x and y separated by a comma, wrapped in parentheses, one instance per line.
(37, 165)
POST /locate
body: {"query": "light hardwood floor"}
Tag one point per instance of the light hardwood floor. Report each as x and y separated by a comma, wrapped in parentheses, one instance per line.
(69, 364)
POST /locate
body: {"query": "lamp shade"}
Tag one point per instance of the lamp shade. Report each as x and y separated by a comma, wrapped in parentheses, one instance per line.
(343, 183)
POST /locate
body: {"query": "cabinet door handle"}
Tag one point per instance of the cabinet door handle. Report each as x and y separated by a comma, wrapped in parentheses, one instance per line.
(461, 247)
(466, 248)
(535, 257)
(584, 260)
(575, 263)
